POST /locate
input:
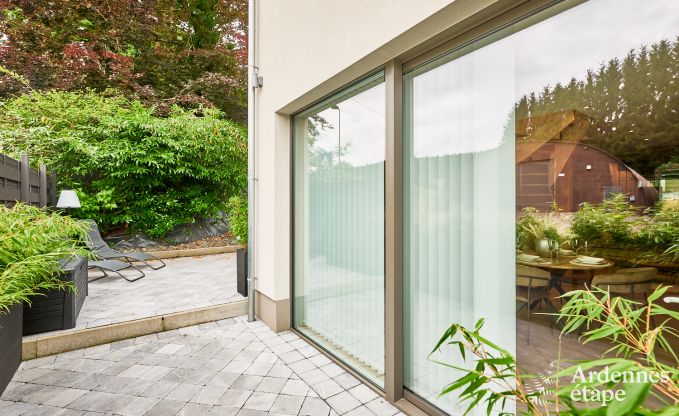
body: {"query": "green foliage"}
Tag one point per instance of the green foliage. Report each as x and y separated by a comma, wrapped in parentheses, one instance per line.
(662, 230)
(607, 225)
(32, 241)
(238, 218)
(626, 324)
(130, 168)
(636, 333)
(616, 224)
(531, 227)
(185, 52)
(491, 382)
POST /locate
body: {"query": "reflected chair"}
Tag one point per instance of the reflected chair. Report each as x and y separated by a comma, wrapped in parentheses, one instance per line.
(628, 282)
(532, 287)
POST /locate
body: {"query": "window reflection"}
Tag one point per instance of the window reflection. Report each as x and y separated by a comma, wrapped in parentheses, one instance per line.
(585, 96)
(596, 159)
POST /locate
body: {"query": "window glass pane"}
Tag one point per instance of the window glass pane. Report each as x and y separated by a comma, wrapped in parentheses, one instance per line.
(459, 233)
(339, 226)
(547, 142)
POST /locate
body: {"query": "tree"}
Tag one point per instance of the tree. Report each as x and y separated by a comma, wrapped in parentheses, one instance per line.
(163, 52)
(633, 103)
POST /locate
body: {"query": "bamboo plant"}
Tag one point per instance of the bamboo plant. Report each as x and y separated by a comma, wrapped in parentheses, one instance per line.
(32, 243)
(637, 333)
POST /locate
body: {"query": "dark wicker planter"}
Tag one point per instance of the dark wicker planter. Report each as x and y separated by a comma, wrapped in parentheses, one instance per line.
(242, 271)
(58, 309)
(10, 344)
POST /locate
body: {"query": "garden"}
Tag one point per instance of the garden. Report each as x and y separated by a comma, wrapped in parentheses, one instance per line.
(143, 120)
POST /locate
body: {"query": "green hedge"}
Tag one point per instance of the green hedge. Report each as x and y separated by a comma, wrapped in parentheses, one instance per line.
(130, 167)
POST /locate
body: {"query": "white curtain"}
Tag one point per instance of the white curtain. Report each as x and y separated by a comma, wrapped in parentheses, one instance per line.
(459, 211)
(339, 227)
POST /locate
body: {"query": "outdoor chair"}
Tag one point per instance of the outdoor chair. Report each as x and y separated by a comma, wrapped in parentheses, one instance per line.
(97, 244)
(114, 266)
(532, 287)
(628, 282)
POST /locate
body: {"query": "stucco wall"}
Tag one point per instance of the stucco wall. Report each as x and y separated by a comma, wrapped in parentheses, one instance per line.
(304, 50)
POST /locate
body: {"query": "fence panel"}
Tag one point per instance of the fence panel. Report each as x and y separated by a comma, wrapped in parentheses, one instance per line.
(20, 182)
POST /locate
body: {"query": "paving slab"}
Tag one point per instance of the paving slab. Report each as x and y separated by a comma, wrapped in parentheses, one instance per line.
(180, 286)
(198, 370)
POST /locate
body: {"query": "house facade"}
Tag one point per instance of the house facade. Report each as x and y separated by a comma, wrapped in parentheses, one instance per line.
(392, 144)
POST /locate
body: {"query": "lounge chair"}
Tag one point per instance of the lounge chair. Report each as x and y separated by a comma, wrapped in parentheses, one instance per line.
(101, 249)
(113, 266)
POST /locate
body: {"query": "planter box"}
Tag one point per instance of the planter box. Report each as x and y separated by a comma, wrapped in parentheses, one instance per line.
(242, 271)
(58, 309)
(10, 344)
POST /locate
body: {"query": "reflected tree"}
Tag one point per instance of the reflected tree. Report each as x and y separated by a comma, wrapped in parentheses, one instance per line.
(633, 103)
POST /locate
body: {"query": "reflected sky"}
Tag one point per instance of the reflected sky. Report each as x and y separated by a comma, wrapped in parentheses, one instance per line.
(358, 125)
(466, 105)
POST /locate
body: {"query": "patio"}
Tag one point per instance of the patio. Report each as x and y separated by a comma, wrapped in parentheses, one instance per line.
(228, 367)
(186, 283)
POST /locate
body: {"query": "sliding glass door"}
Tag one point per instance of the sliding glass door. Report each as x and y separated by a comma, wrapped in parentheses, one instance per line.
(458, 210)
(339, 154)
(538, 159)
(529, 159)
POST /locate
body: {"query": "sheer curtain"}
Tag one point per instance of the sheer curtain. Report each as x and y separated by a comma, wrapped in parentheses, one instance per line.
(458, 210)
(339, 226)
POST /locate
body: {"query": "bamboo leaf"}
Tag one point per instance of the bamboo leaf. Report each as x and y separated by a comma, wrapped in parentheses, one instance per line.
(635, 395)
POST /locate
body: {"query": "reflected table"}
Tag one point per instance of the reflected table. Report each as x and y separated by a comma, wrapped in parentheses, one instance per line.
(558, 268)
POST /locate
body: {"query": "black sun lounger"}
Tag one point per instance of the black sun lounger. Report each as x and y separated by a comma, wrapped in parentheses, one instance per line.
(101, 249)
(114, 266)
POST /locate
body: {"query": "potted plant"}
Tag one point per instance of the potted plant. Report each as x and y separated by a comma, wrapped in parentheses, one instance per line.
(537, 233)
(238, 224)
(32, 243)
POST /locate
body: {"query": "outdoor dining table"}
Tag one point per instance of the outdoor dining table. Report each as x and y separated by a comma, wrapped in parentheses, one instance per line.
(558, 268)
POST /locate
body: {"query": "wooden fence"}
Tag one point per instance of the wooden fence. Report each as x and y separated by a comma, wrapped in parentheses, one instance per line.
(20, 182)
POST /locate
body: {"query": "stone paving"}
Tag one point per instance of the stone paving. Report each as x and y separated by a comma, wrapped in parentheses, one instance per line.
(229, 367)
(185, 283)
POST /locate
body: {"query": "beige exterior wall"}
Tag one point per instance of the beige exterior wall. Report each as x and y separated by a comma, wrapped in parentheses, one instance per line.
(305, 49)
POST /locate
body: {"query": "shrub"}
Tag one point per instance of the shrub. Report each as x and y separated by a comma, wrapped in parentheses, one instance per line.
(610, 224)
(129, 166)
(662, 227)
(616, 224)
(238, 218)
(32, 241)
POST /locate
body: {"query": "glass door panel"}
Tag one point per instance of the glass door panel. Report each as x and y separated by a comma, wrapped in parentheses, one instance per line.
(339, 154)
(458, 211)
(560, 120)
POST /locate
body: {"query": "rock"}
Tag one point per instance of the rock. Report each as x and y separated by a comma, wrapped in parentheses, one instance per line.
(184, 233)
(201, 228)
